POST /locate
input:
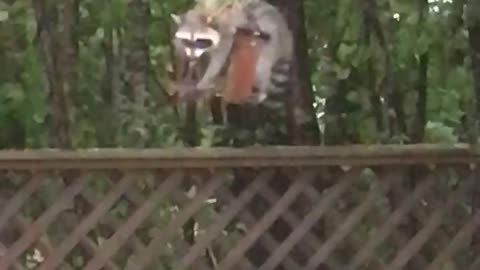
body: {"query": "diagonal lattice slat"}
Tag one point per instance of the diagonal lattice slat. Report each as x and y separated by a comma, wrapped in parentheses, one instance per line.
(235, 254)
(230, 212)
(318, 210)
(354, 217)
(40, 225)
(122, 234)
(159, 240)
(422, 236)
(13, 206)
(389, 224)
(265, 239)
(82, 228)
(457, 241)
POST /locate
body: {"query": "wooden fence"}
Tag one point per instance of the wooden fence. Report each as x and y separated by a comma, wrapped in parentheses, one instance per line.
(356, 207)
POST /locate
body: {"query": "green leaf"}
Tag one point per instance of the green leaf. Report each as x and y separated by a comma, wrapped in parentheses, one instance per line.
(342, 73)
(3, 15)
(345, 51)
(13, 92)
(439, 133)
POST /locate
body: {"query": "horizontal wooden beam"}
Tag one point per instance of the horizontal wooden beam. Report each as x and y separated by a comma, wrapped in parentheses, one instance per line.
(257, 156)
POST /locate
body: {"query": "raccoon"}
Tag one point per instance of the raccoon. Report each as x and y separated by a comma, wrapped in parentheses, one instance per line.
(199, 33)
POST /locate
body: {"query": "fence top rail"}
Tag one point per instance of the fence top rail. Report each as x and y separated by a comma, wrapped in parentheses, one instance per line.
(265, 156)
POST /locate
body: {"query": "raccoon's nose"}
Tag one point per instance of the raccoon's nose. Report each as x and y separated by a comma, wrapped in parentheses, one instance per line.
(188, 52)
(193, 53)
(197, 53)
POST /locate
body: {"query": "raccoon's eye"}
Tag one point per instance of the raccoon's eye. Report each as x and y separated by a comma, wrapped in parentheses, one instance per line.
(187, 42)
(203, 43)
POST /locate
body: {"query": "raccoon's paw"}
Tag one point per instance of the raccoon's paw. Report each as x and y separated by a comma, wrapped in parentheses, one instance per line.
(204, 86)
(182, 91)
(256, 98)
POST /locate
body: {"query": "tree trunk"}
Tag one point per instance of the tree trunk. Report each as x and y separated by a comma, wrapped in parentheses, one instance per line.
(58, 50)
(302, 119)
(136, 73)
(107, 123)
(418, 131)
(473, 19)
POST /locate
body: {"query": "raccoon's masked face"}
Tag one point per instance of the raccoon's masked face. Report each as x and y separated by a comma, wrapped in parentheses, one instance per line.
(194, 33)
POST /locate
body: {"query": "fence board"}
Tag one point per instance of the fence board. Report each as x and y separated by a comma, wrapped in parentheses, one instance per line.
(284, 156)
(267, 208)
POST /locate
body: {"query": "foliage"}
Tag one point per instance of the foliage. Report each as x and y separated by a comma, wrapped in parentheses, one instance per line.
(382, 71)
(346, 47)
(365, 59)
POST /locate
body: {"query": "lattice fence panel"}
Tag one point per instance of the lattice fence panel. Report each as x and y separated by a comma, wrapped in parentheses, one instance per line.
(390, 217)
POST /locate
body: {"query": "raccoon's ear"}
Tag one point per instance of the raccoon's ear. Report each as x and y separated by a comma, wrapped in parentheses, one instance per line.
(176, 18)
